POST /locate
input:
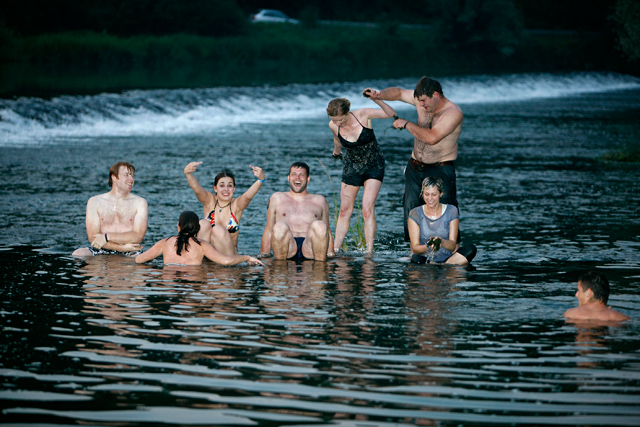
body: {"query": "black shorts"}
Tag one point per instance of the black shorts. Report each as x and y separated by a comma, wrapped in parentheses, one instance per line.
(358, 180)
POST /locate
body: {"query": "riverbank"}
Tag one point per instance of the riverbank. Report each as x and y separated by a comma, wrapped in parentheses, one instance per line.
(87, 63)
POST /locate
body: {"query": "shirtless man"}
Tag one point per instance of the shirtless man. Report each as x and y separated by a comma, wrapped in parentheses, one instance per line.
(116, 221)
(435, 146)
(593, 294)
(297, 222)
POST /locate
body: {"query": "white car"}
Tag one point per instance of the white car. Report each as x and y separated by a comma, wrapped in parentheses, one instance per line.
(272, 16)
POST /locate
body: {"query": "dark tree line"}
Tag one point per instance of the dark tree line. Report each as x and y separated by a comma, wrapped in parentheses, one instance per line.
(230, 17)
(486, 25)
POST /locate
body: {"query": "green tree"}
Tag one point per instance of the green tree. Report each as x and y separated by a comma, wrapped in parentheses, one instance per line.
(489, 25)
(627, 19)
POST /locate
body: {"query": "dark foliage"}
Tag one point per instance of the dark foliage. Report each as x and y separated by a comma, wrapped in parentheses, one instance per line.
(229, 17)
(126, 17)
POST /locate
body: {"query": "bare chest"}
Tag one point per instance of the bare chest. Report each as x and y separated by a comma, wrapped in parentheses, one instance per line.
(119, 215)
(294, 212)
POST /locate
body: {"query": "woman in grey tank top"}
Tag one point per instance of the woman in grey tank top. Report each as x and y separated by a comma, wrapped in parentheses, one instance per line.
(433, 229)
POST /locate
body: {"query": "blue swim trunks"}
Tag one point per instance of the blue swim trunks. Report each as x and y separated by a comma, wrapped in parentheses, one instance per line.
(298, 256)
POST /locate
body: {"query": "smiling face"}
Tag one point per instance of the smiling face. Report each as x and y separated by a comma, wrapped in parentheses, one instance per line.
(431, 196)
(298, 179)
(225, 188)
(124, 180)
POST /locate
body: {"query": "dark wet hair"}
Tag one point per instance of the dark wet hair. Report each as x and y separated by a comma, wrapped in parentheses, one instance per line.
(427, 86)
(598, 283)
(302, 165)
(115, 169)
(189, 227)
(432, 181)
(224, 174)
(338, 106)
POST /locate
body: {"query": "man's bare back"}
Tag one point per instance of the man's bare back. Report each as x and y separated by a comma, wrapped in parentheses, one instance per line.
(595, 311)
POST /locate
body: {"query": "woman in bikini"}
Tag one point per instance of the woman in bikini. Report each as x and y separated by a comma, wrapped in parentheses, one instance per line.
(222, 212)
(363, 163)
(186, 249)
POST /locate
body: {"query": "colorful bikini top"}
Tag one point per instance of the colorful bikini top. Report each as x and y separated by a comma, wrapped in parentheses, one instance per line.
(233, 225)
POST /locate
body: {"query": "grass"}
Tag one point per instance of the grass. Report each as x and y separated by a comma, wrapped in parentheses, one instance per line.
(629, 153)
(86, 62)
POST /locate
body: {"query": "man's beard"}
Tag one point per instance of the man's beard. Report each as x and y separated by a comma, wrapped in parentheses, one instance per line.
(301, 190)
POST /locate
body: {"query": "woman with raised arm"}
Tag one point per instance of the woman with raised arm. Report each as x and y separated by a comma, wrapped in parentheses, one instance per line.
(363, 163)
(222, 212)
(186, 249)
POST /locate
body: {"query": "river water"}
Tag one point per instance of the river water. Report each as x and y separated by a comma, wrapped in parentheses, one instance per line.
(356, 341)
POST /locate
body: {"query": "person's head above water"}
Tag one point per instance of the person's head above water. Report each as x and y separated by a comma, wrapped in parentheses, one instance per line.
(189, 223)
(427, 86)
(298, 177)
(338, 107)
(224, 174)
(597, 283)
(432, 181)
(114, 171)
(301, 165)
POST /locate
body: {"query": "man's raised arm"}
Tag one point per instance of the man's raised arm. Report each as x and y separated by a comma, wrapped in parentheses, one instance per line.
(391, 94)
(445, 126)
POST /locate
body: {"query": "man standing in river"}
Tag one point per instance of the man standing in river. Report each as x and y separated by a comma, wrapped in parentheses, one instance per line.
(435, 146)
(297, 221)
(116, 221)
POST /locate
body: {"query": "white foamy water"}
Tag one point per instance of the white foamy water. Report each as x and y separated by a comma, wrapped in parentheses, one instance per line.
(33, 121)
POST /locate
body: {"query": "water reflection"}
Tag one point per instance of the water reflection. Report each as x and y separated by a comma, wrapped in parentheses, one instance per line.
(357, 339)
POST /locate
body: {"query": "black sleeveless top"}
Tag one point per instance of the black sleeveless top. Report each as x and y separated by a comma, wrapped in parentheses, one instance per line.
(362, 155)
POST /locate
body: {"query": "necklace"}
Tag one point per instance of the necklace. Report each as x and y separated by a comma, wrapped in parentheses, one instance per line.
(436, 213)
(222, 207)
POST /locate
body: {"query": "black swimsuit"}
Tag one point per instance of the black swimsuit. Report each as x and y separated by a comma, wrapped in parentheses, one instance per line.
(362, 159)
(298, 256)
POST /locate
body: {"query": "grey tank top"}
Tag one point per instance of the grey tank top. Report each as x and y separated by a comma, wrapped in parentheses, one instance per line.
(435, 227)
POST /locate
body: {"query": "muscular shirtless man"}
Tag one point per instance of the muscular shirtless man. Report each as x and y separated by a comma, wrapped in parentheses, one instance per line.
(116, 221)
(297, 222)
(435, 145)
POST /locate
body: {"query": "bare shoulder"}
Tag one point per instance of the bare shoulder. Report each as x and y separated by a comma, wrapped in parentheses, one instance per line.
(572, 313)
(278, 196)
(317, 199)
(595, 313)
(276, 199)
(616, 315)
(99, 200)
(137, 200)
(453, 108)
